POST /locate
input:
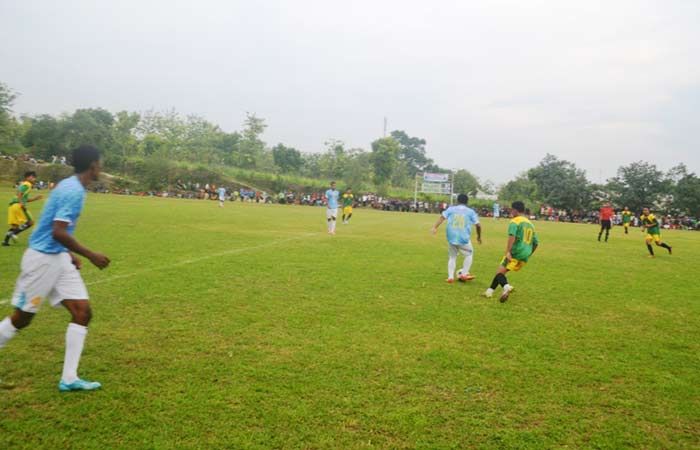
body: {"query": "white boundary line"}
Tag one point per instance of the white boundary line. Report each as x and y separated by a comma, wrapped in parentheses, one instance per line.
(201, 258)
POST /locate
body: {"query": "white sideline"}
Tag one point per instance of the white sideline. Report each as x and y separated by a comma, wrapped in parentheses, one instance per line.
(201, 258)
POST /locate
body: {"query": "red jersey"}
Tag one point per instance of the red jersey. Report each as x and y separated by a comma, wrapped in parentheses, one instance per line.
(606, 213)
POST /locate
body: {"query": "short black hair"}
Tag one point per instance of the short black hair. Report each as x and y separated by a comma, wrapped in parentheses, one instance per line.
(84, 156)
(462, 199)
(29, 173)
(518, 206)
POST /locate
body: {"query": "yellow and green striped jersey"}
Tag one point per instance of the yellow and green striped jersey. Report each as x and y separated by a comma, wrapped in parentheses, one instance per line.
(525, 238)
(23, 191)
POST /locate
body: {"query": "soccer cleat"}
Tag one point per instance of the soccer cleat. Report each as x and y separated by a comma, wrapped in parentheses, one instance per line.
(450, 280)
(506, 293)
(670, 250)
(488, 293)
(467, 277)
(78, 385)
(5, 244)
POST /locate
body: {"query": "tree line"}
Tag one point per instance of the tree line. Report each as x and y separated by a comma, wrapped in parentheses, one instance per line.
(144, 143)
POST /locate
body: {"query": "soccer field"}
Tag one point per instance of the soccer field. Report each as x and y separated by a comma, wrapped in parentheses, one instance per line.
(250, 327)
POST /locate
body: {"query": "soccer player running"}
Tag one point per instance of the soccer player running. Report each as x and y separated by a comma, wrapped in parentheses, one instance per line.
(460, 219)
(348, 200)
(18, 216)
(606, 213)
(222, 196)
(522, 243)
(651, 225)
(49, 268)
(626, 219)
(332, 196)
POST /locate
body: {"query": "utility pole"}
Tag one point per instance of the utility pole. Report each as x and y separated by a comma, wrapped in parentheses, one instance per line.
(385, 123)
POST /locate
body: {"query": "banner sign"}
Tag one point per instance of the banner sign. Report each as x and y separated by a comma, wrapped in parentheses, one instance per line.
(436, 177)
(436, 188)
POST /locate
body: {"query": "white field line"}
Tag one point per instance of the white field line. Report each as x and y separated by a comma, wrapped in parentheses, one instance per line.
(185, 262)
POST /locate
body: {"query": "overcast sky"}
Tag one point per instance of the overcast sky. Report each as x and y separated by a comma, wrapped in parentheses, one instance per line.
(491, 85)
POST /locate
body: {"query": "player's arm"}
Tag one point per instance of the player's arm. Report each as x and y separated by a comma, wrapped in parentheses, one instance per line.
(439, 222)
(61, 234)
(535, 243)
(509, 246)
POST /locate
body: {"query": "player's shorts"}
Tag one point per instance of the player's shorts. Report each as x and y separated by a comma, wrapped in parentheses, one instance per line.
(626, 224)
(453, 249)
(331, 212)
(347, 210)
(605, 224)
(653, 237)
(513, 264)
(47, 276)
(17, 214)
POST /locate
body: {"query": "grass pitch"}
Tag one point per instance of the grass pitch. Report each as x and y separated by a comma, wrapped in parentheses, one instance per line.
(250, 327)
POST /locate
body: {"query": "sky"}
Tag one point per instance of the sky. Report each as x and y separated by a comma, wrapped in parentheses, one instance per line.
(492, 86)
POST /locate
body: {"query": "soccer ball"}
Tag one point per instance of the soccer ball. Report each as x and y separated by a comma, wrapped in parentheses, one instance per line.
(459, 273)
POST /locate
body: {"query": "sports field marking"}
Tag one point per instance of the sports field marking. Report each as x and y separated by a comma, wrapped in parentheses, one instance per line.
(185, 262)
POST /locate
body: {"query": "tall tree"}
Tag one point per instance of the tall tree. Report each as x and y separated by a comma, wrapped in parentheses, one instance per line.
(560, 183)
(251, 146)
(383, 159)
(637, 185)
(521, 188)
(411, 152)
(7, 122)
(466, 183)
(288, 159)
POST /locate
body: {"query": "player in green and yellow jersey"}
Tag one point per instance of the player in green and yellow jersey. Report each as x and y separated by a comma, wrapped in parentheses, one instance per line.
(18, 216)
(522, 243)
(626, 219)
(650, 225)
(348, 201)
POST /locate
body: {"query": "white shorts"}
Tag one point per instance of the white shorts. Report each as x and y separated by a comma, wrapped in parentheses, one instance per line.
(331, 212)
(47, 276)
(465, 250)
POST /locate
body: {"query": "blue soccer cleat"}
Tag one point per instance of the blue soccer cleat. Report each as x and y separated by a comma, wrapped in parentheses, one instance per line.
(78, 385)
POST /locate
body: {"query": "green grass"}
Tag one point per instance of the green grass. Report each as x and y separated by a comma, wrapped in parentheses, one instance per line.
(249, 327)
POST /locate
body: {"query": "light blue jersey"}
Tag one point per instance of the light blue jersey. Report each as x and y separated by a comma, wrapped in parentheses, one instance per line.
(496, 210)
(460, 219)
(222, 193)
(64, 205)
(332, 195)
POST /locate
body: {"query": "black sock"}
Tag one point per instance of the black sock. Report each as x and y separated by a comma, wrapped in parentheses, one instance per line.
(607, 233)
(664, 245)
(9, 233)
(651, 250)
(600, 234)
(343, 217)
(349, 217)
(499, 279)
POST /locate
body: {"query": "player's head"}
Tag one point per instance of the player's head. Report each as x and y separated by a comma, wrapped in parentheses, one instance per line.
(646, 211)
(626, 209)
(462, 199)
(348, 190)
(86, 160)
(332, 184)
(30, 176)
(518, 206)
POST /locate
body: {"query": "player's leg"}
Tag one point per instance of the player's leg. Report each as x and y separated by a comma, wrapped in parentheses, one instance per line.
(70, 292)
(600, 233)
(334, 214)
(627, 228)
(452, 252)
(498, 280)
(649, 247)
(468, 252)
(10, 325)
(660, 243)
(608, 225)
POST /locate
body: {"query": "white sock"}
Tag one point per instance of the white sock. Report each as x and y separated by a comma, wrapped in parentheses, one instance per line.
(333, 225)
(489, 291)
(7, 331)
(451, 266)
(466, 267)
(507, 287)
(75, 339)
(330, 228)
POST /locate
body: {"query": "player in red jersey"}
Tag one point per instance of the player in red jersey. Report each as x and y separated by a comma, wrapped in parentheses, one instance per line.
(606, 214)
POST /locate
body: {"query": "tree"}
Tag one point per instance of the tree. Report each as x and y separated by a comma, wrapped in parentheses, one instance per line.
(7, 122)
(521, 188)
(45, 136)
(686, 191)
(383, 159)
(465, 183)
(560, 183)
(637, 185)
(288, 159)
(411, 153)
(251, 147)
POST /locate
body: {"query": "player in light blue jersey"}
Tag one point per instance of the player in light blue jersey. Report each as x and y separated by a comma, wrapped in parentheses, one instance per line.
(332, 196)
(222, 196)
(496, 211)
(460, 219)
(49, 269)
